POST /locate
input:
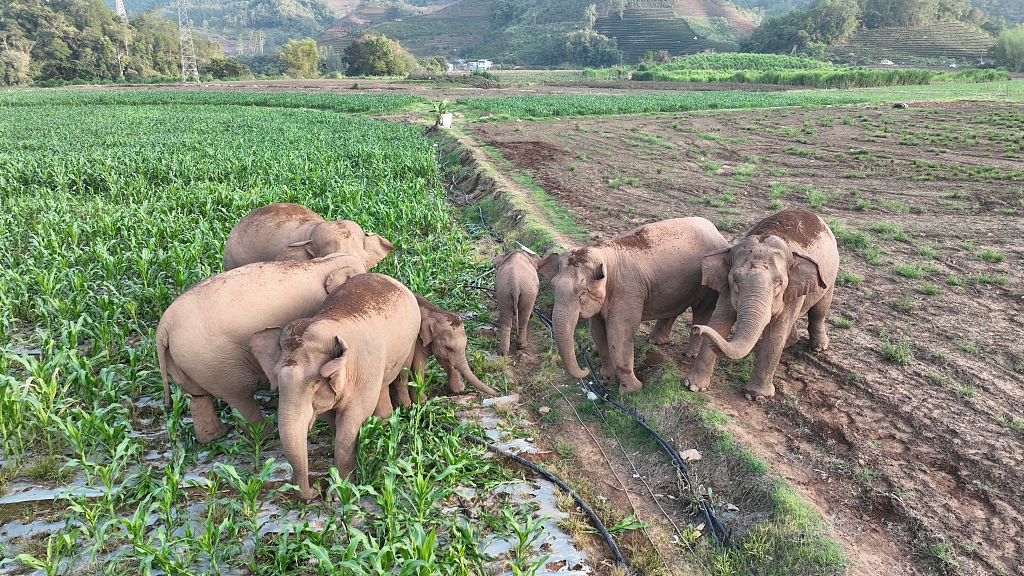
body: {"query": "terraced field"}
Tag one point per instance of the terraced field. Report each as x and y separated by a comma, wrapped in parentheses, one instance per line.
(943, 42)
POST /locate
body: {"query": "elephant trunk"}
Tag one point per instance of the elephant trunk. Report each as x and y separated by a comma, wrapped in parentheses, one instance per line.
(751, 318)
(565, 316)
(294, 424)
(462, 367)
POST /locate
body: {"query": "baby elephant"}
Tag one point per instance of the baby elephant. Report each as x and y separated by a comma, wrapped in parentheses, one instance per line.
(338, 365)
(516, 285)
(203, 336)
(293, 232)
(443, 336)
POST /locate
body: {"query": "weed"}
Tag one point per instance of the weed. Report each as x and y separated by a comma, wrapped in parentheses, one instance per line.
(967, 392)
(929, 289)
(565, 449)
(900, 352)
(910, 271)
(843, 322)
(991, 256)
(955, 281)
(968, 347)
(905, 303)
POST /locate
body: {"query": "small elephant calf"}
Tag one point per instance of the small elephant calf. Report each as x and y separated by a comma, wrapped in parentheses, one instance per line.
(443, 336)
(516, 285)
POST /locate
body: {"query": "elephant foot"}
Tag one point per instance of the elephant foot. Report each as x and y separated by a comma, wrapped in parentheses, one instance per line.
(694, 386)
(206, 433)
(793, 338)
(659, 338)
(629, 384)
(820, 344)
(756, 393)
(521, 345)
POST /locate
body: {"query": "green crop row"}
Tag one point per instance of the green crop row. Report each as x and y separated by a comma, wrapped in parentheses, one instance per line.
(742, 61)
(371, 103)
(829, 78)
(111, 211)
(608, 105)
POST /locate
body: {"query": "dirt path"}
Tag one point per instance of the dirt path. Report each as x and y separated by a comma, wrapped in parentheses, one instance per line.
(917, 463)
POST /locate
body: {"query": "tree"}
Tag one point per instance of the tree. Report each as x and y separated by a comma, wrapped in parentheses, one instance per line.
(374, 55)
(301, 57)
(1009, 48)
(221, 68)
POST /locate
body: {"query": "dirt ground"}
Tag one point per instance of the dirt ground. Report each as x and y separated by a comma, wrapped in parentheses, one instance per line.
(918, 466)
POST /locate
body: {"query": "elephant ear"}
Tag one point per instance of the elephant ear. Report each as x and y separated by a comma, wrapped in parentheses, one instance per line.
(715, 271)
(297, 252)
(339, 276)
(325, 396)
(427, 326)
(497, 260)
(597, 284)
(266, 347)
(804, 278)
(376, 247)
(535, 259)
(548, 266)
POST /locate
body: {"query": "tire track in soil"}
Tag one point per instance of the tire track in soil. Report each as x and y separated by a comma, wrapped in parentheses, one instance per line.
(898, 458)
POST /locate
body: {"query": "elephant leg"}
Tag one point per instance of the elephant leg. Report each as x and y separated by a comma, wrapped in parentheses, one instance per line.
(347, 421)
(504, 331)
(522, 331)
(698, 378)
(247, 406)
(599, 332)
(769, 351)
(204, 419)
(662, 332)
(702, 312)
(384, 408)
(816, 321)
(793, 338)
(621, 332)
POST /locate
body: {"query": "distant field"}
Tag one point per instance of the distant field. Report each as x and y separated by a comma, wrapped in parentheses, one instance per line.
(602, 105)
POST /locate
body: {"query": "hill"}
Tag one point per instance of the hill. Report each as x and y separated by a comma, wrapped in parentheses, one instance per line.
(554, 32)
(940, 42)
(1010, 10)
(230, 22)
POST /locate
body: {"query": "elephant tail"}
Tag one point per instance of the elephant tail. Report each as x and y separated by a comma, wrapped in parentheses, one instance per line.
(163, 356)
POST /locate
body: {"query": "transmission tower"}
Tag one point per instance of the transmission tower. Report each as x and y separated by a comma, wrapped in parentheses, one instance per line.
(189, 69)
(121, 11)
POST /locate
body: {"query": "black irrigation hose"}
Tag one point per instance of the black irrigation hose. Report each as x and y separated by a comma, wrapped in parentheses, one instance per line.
(619, 560)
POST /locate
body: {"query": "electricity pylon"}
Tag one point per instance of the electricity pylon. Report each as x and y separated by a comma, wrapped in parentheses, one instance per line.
(189, 68)
(121, 11)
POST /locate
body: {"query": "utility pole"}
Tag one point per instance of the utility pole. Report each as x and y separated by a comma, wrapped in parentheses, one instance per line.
(121, 11)
(189, 68)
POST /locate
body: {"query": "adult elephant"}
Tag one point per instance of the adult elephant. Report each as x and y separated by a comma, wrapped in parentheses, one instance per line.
(783, 268)
(203, 336)
(292, 232)
(338, 365)
(650, 273)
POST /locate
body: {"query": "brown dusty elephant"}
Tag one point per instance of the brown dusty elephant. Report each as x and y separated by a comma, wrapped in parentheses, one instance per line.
(443, 336)
(293, 232)
(203, 336)
(338, 364)
(652, 272)
(783, 268)
(515, 288)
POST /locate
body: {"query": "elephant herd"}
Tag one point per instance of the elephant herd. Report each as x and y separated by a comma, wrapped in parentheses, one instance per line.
(295, 306)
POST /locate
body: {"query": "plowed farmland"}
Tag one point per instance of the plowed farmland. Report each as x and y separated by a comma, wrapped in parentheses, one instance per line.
(908, 433)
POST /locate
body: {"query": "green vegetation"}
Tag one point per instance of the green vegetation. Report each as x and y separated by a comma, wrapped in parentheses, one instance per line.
(66, 40)
(301, 56)
(898, 352)
(606, 105)
(796, 71)
(101, 232)
(1009, 48)
(373, 55)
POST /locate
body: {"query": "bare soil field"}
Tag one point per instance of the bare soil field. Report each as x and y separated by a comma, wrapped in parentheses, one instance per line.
(908, 433)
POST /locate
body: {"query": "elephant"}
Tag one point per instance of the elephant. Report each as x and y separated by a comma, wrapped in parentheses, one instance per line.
(783, 268)
(651, 272)
(293, 232)
(338, 364)
(443, 336)
(515, 287)
(203, 336)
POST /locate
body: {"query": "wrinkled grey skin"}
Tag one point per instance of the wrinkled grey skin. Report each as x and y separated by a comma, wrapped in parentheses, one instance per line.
(203, 336)
(338, 365)
(443, 336)
(783, 268)
(293, 232)
(650, 273)
(515, 288)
